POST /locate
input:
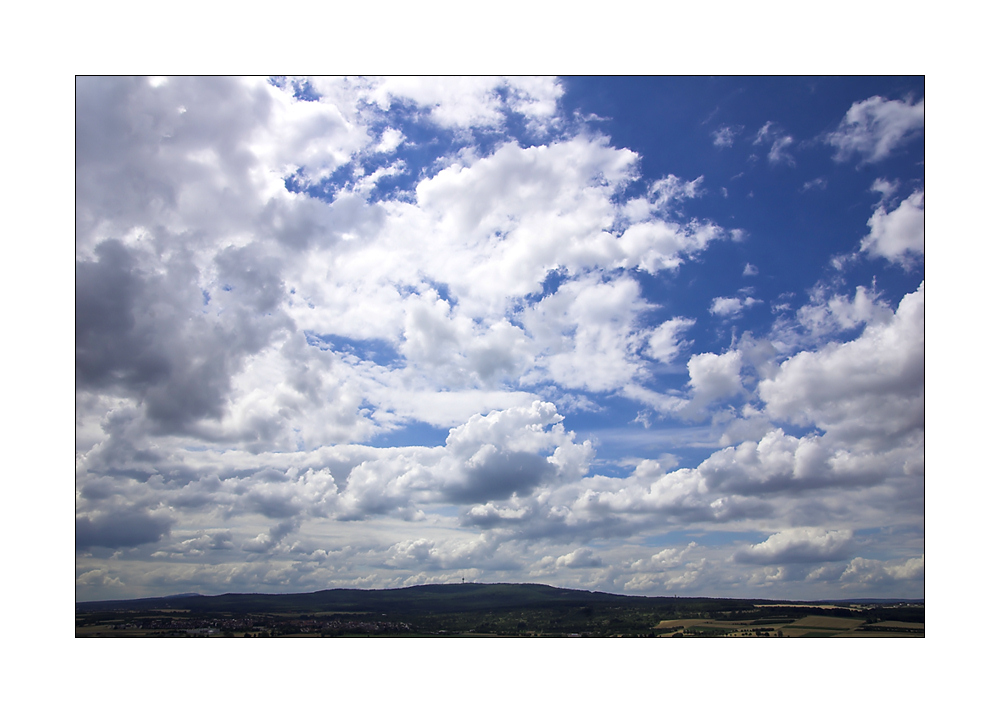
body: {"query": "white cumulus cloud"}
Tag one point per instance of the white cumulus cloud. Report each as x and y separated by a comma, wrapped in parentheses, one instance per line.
(732, 307)
(875, 127)
(799, 545)
(897, 235)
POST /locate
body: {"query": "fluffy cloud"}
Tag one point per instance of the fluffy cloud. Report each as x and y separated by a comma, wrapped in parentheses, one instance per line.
(876, 126)
(664, 341)
(715, 376)
(732, 307)
(897, 235)
(464, 102)
(869, 390)
(450, 555)
(588, 331)
(776, 462)
(874, 572)
(799, 545)
(580, 558)
(827, 314)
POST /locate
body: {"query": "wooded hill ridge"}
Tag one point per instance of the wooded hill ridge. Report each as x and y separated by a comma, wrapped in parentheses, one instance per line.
(449, 598)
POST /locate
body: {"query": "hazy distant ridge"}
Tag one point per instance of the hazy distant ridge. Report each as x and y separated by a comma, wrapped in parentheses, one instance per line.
(427, 598)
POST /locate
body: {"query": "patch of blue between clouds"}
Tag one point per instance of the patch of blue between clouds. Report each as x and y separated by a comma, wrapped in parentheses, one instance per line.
(302, 89)
(378, 351)
(326, 190)
(631, 441)
(443, 292)
(412, 433)
(554, 279)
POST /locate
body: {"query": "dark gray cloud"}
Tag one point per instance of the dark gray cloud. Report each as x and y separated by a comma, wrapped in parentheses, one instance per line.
(500, 475)
(120, 528)
(143, 331)
(106, 296)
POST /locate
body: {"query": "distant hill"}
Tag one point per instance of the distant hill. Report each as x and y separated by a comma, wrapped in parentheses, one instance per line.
(421, 599)
(431, 599)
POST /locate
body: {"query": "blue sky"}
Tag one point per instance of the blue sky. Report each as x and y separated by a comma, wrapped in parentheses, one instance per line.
(642, 335)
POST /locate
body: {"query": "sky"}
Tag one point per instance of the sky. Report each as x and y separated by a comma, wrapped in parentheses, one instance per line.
(657, 336)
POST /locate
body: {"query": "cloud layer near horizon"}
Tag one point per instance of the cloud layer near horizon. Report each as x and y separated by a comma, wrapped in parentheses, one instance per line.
(329, 333)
